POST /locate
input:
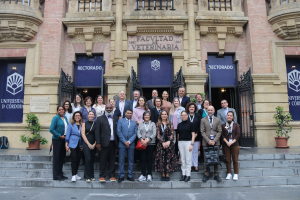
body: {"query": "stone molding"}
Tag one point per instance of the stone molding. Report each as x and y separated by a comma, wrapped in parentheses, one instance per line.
(178, 55)
(19, 23)
(133, 55)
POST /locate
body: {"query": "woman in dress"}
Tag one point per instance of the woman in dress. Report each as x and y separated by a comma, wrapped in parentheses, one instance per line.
(166, 159)
(166, 105)
(68, 110)
(87, 108)
(155, 111)
(74, 143)
(58, 128)
(139, 110)
(88, 135)
(78, 103)
(99, 106)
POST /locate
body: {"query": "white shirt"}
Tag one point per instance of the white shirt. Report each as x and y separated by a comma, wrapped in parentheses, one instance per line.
(225, 111)
(134, 104)
(121, 106)
(75, 109)
(99, 109)
(66, 126)
(110, 121)
(180, 99)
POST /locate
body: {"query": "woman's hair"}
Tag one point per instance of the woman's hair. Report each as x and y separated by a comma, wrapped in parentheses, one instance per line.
(166, 92)
(96, 100)
(173, 106)
(232, 114)
(88, 98)
(91, 112)
(73, 121)
(160, 120)
(145, 104)
(60, 107)
(202, 106)
(70, 110)
(189, 105)
(146, 112)
(154, 101)
(184, 111)
(81, 101)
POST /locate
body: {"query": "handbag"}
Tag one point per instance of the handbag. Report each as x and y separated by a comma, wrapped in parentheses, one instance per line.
(139, 146)
(211, 155)
(90, 129)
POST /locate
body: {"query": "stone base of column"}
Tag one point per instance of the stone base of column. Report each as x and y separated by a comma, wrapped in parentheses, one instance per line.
(193, 62)
(195, 83)
(118, 64)
(116, 81)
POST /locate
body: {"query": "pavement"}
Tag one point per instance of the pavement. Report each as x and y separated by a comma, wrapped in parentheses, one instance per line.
(240, 193)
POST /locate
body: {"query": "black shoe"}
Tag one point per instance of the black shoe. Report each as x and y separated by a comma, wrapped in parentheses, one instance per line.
(130, 178)
(167, 178)
(217, 178)
(120, 180)
(201, 160)
(163, 178)
(205, 178)
(182, 178)
(187, 179)
(196, 170)
(58, 178)
(64, 177)
(192, 169)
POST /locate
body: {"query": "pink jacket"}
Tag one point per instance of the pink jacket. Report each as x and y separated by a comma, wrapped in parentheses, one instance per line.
(138, 114)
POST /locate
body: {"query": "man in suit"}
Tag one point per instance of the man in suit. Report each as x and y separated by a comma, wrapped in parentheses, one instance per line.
(150, 102)
(184, 100)
(211, 132)
(106, 142)
(136, 95)
(222, 113)
(199, 99)
(126, 130)
(122, 105)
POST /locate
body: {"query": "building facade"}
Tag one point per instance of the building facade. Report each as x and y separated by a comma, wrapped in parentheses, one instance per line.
(250, 49)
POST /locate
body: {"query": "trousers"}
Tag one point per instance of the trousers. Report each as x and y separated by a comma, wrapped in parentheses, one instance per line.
(233, 152)
(107, 160)
(75, 159)
(146, 159)
(59, 153)
(195, 154)
(186, 157)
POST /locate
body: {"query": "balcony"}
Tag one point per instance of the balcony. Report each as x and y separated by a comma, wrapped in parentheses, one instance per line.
(284, 15)
(89, 18)
(19, 20)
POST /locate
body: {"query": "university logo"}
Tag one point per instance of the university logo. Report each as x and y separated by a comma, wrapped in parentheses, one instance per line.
(14, 83)
(294, 80)
(155, 65)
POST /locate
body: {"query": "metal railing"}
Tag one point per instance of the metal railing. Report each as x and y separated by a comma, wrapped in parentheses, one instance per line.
(89, 5)
(220, 5)
(286, 1)
(155, 5)
(20, 2)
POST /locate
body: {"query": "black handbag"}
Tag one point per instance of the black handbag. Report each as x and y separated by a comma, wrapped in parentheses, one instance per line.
(211, 155)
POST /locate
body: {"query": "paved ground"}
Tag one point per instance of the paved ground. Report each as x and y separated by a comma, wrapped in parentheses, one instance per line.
(247, 193)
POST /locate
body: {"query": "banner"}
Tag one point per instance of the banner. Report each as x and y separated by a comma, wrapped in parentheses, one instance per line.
(11, 91)
(293, 78)
(222, 71)
(88, 71)
(155, 71)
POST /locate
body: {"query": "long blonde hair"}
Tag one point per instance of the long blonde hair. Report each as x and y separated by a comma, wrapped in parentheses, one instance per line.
(173, 106)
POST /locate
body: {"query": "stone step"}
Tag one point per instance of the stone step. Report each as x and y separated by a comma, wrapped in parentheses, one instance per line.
(47, 173)
(194, 183)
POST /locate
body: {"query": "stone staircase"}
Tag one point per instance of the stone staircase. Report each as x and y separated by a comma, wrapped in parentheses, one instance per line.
(35, 170)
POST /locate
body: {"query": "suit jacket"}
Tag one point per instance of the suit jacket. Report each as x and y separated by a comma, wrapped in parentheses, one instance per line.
(223, 118)
(73, 136)
(131, 104)
(236, 133)
(126, 134)
(154, 115)
(103, 131)
(57, 127)
(150, 104)
(185, 100)
(206, 130)
(126, 107)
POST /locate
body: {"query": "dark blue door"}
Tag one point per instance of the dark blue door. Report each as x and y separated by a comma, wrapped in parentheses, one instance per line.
(12, 75)
(155, 71)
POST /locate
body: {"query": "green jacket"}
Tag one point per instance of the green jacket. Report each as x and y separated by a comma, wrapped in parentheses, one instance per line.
(57, 127)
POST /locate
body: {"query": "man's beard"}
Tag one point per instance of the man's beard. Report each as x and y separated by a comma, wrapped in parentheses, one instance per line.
(108, 114)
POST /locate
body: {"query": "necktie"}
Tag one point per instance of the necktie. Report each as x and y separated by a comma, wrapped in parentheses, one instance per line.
(110, 116)
(128, 123)
(210, 120)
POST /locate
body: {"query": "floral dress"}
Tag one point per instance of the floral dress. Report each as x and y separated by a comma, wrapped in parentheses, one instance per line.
(166, 159)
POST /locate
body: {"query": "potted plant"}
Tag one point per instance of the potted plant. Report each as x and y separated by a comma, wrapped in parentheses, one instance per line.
(34, 127)
(282, 120)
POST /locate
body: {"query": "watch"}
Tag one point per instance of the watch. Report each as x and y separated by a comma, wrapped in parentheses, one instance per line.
(192, 144)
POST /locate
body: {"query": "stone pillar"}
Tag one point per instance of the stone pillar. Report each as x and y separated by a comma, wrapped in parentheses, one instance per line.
(118, 63)
(193, 61)
(178, 60)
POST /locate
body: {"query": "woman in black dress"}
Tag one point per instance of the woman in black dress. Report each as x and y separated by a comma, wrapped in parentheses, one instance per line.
(88, 135)
(166, 159)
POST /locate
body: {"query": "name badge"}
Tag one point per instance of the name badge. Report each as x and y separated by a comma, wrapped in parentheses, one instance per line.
(230, 140)
(212, 137)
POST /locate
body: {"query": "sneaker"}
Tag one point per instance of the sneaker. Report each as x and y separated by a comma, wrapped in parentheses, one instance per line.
(102, 179)
(73, 178)
(77, 177)
(93, 179)
(142, 178)
(88, 180)
(235, 177)
(149, 178)
(229, 176)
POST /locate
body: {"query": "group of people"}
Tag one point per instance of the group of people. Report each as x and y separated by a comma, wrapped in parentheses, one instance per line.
(168, 132)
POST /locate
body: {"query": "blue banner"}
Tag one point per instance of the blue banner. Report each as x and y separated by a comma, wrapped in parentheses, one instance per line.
(155, 71)
(293, 78)
(222, 71)
(88, 71)
(12, 76)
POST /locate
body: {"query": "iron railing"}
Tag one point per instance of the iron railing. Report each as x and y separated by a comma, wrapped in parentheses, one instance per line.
(177, 82)
(21, 2)
(286, 1)
(65, 88)
(220, 5)
(134, 83)
(155, 5)
(89, 5)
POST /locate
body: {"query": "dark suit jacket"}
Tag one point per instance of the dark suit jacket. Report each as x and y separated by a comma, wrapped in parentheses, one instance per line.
(102, 132)
(154, 115)
(185, 100)
(150, 104)
(127, 106)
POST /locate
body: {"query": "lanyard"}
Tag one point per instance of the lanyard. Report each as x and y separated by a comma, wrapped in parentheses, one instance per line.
(147, 127)
(192, 119)
(162, 127)
(205, 112)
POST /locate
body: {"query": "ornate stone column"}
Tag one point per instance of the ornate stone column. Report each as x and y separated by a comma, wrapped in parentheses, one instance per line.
(118, 63)
(193, 61)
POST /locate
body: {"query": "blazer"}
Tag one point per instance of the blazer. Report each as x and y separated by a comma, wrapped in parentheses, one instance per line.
(196, 122)
(131, 104)
(57, 127)
(206, 130)
(223, 118)
(127, 106)
(126, 134)
(154, 115)
(150, 103)
(236, 133)
(85, 113)
(73, 136)
(103, 131)
(185, 100)
(141, 133)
